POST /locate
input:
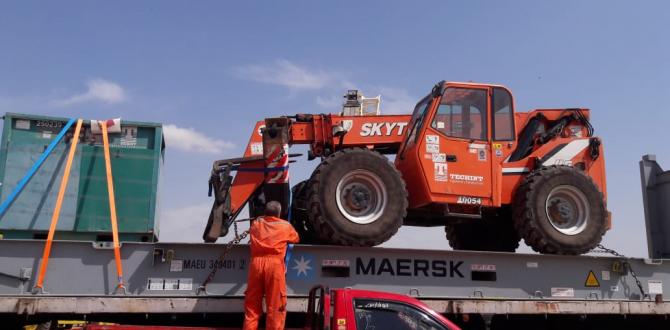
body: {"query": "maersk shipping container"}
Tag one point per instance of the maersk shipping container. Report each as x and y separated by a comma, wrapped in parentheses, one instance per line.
(136, 157)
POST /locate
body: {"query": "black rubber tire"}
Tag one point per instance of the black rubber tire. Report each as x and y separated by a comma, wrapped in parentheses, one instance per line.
(531, 220)
(329, 223)
(299, 213)
(493, 234)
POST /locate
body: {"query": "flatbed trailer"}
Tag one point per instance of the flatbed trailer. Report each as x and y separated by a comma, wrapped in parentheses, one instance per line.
(164, 280)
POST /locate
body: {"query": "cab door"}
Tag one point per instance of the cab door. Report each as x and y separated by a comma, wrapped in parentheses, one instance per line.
(456, 148)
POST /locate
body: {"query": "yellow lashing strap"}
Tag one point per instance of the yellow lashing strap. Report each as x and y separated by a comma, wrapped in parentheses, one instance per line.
(112, 206)
(59, 204)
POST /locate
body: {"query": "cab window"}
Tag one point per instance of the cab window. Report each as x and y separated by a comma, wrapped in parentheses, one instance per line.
(462, 114)
(418, 117)
(503, 115)
(382, 314)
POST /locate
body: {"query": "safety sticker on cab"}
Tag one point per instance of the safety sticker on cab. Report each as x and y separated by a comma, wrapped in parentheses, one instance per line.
(441, 172)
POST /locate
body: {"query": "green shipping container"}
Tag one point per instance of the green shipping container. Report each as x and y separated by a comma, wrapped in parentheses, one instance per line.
(136, 158)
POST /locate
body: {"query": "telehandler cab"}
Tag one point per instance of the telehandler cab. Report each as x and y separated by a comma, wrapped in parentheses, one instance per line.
(464, 159)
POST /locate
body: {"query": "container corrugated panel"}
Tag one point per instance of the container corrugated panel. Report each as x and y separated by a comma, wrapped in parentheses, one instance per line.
(136, 158)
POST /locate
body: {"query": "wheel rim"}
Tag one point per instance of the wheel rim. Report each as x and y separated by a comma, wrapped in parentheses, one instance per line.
(567, 209)
(361, 197)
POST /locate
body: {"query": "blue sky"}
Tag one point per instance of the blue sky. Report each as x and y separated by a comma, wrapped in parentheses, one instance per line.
(210, 69)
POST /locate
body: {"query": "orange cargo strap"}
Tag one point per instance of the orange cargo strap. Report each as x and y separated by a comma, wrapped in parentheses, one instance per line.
(112, 206)
(59, 203)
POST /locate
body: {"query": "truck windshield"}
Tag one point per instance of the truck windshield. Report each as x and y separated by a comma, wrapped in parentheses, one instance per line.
(391, 315)
(415, 124)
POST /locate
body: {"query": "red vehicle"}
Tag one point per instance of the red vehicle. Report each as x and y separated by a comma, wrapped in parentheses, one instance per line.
(347, 309)
(362, 309)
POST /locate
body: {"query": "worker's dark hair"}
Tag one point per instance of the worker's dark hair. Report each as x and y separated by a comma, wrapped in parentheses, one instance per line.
(273, 209)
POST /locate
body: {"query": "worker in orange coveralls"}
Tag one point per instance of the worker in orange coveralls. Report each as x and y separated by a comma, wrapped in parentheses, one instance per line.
(269, 238)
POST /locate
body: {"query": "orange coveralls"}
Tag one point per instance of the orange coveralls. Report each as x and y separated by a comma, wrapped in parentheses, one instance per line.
(267, 273)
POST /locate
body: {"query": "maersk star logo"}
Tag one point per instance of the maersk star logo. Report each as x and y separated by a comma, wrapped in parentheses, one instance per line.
(302, 266)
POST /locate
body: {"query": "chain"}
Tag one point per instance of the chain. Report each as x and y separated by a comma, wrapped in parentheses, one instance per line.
(237, 236)
(228, 247)
(603, 249)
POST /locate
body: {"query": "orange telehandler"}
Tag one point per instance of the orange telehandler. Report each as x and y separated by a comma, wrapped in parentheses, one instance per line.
(464, 159)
